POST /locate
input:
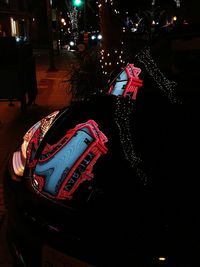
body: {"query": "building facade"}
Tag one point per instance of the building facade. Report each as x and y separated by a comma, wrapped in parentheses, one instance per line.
(15, 19)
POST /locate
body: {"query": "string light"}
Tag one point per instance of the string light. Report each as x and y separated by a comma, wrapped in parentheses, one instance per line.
(123, 112)
(161, 258)
(108, 59)
(73, 16)
(178, 3)
(124, 109)
(165, 85)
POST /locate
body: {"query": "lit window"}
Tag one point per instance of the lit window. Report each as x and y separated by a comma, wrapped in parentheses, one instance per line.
(13, 27)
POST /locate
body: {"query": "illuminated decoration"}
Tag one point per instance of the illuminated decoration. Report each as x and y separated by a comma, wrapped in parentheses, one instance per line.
(128, 86)
(73, 17)
(127, 82)
(178, 3)
(19, 157)
(35, 138)
(62, 167)
(123, 112)
(109, 59)
(167, 86)
(111, 3)
(161, 258)
(110, 55)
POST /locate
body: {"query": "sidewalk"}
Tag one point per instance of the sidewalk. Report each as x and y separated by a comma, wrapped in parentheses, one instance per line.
(52, 88)
(52, 95)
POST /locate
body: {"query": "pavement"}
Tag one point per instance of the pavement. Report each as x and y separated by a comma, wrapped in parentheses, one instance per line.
(53, 93)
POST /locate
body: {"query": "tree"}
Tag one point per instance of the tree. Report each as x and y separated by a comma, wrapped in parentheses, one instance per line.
(111, 29)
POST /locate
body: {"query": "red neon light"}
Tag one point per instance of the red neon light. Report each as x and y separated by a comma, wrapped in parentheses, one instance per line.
(96, 149)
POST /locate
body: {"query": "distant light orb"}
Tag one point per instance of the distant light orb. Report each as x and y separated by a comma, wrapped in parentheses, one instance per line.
(71, 43)
(161, 258)
(99, 36)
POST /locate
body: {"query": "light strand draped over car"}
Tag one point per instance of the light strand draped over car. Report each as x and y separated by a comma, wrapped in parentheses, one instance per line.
(126, 85)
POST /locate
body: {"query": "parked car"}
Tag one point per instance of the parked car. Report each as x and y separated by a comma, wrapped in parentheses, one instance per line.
(108, 181)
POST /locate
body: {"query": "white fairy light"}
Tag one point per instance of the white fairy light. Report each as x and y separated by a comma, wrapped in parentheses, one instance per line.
(178, 3)
(73, 16)
(123, 113)
(108, 58)
(165, 85)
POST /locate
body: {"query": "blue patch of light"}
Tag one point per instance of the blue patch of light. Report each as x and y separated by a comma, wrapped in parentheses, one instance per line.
(120, 83)
(52, 170)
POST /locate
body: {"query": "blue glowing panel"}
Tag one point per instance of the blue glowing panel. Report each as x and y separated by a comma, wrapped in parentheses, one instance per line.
(120, 83)
(55, 169)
